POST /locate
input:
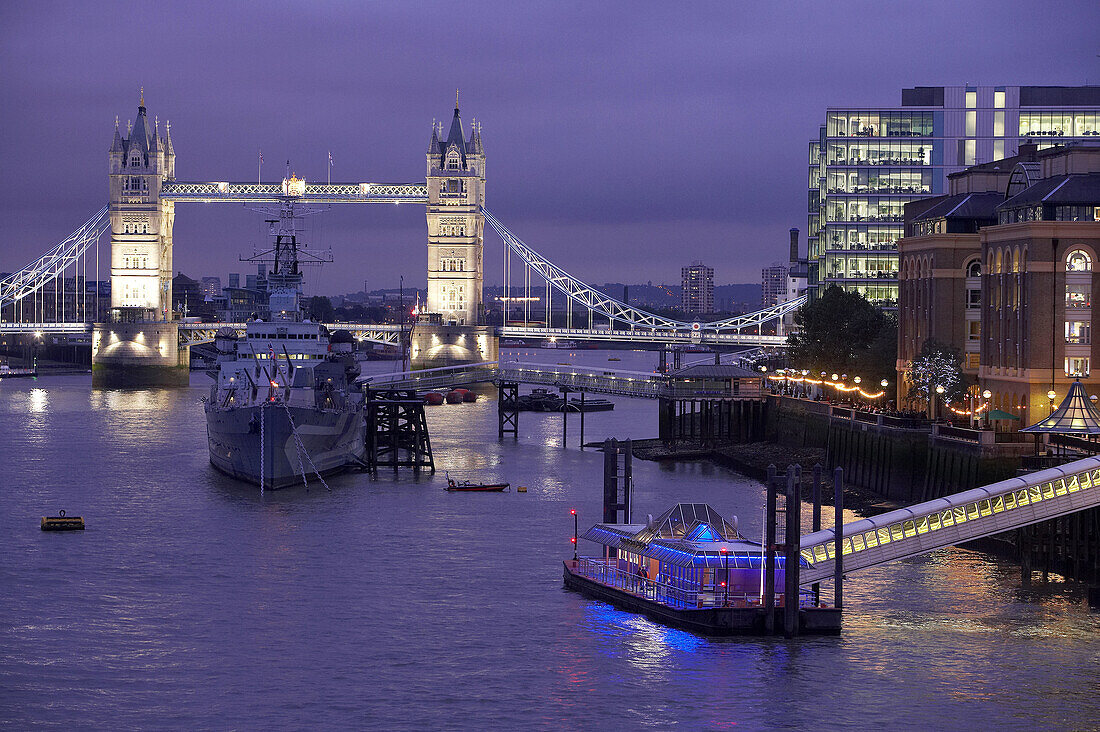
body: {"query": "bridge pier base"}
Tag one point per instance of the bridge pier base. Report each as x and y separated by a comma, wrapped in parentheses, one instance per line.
(436, 346)
(138, 355)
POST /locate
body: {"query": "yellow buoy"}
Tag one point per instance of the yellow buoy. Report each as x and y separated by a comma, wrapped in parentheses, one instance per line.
(61, 522)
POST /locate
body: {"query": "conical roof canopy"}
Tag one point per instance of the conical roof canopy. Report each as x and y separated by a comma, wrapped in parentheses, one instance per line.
(1074, 416)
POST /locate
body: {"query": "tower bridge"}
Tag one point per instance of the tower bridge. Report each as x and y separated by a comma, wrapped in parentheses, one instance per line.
(142, 342)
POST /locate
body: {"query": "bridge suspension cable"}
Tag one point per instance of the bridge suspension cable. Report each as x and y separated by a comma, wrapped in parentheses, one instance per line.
(613, 309)
(50, 268)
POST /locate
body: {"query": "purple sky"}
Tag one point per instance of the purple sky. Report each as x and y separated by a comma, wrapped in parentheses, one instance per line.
(623, 140)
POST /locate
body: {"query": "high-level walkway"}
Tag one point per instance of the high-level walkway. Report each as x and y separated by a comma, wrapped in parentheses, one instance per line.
(924, 527)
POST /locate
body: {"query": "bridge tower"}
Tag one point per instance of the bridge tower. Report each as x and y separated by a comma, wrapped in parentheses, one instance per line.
(456, 226)
(141, 223)
(454, 332)
(141, 343)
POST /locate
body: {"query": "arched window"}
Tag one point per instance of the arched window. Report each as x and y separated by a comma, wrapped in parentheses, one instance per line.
(1078, 261)
(997, 263)
(1016, 261)
(135, 160)
(974, 268)
(453, 161)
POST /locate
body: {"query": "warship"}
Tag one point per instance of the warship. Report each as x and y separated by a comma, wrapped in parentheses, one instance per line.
(284, 407)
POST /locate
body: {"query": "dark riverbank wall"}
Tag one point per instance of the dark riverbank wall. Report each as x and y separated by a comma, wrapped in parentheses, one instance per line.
(897, 459)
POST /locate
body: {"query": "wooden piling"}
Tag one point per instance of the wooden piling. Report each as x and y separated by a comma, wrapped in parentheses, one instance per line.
(838, 538)
(769, 554)
(791, 554)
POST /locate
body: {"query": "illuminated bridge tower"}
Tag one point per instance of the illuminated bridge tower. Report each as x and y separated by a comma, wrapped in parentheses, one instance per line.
(140, 344)
(455, 331)
(456, 192)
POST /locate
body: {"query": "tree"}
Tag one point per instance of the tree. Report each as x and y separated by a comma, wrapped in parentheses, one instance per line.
(937, 365)
(841, 332)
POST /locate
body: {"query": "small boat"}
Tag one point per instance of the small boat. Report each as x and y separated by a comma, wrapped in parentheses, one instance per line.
(613, 358)
(433, 398)
(465, 485)
(455, 396)
(61, 522)
(591, 405)
(469, 397)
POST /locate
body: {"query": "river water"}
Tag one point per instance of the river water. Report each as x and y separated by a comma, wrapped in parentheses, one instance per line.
(192, 601)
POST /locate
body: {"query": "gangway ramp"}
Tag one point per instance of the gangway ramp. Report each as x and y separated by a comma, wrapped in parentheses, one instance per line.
(961, 517)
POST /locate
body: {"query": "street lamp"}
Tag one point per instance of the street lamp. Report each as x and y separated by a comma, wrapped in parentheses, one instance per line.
(574, 512)
(1050, 396)
(939, 390)
(987, 395)
(726, 583)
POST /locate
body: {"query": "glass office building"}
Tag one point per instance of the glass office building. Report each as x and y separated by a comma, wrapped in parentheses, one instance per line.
(867, 163)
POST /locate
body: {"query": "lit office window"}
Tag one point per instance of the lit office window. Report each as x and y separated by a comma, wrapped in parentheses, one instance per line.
(1077, 366)
(971, 99)
(1078, 332)
(998, 124)
(998, 149)
(999, 99)
(1078, 261)
(971, 124)
(970, 152)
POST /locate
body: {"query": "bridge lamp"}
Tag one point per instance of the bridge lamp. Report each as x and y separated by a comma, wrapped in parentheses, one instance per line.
(805, 372)
(1051, 395)
(884, 383)
(38, 334)
(835, 377)
(1093, 399)
(987, 394)
(857, 379)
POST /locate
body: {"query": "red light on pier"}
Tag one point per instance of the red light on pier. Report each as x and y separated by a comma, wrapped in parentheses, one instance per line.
(572, 512)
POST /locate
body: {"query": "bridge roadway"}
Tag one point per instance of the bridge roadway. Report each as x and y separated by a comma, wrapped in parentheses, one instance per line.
(636, 384)
(196, 333)
(961, 517)
(645, 335)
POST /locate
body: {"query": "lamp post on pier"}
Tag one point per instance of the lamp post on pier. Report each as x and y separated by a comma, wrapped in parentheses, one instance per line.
(574, 512)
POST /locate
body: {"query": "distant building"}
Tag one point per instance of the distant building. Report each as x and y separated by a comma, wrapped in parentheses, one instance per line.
(234, 280)
(774, 284)
(697, 293)
(211, 286)
(797, 283)
(866, 164)
(188, 298)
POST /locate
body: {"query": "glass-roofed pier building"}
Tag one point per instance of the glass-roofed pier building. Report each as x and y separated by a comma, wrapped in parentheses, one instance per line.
(867, 163)
(690, 568)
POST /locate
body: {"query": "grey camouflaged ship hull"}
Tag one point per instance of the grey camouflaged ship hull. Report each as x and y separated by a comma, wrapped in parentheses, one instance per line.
(333, 439)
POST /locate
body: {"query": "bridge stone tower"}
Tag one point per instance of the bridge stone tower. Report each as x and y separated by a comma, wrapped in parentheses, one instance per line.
(141, 223)
(456, 226)
(140, 344)
(454, 333)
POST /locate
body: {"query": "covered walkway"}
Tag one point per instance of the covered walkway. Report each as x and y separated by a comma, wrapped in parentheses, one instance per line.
(924, 527)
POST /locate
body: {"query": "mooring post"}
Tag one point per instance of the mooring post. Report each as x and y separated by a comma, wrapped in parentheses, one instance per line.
(769, 553)
(817, 523)
(628, 478)
(564, 417)
(582, 419)
(610, 480)
(791, 554)
(838, 538)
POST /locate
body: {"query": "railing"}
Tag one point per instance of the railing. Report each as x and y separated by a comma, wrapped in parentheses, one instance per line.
(680, 594)
(646, 334)
(45, 327)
